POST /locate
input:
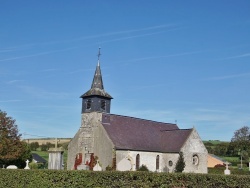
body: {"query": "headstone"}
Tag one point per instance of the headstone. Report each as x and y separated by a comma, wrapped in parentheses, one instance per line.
(11, 167)
(227, 171)
(97, 167)
(27, 164)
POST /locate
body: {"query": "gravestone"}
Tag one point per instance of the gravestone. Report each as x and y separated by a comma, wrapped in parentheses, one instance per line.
(97, 167)
(227, 171)
(27, 165)
(11, 167)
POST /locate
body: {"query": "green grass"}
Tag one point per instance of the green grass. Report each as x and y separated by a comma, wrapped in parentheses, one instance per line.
(45, 155)
(231, 159)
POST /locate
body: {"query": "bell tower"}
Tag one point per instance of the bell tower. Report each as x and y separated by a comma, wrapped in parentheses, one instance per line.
(96, 99)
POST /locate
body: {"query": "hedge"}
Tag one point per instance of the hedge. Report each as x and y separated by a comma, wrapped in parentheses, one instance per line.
(113, 179)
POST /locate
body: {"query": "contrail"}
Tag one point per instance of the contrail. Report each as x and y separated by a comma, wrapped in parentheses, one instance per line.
(170, 26)
(38, 54)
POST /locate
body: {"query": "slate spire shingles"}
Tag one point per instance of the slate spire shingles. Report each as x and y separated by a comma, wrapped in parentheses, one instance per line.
(97, 80)
(97, 88)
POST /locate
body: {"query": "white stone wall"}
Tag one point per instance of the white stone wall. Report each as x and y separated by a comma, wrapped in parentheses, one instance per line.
(167, 159)
(146, 158)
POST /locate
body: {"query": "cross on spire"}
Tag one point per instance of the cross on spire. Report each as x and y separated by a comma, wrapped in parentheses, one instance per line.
(99, 54)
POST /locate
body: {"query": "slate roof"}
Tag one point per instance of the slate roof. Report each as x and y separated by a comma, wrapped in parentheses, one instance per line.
(97, 85)
(38, 158)
(129, 133)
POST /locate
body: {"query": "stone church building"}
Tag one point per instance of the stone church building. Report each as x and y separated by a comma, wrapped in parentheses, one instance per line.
(107, 141)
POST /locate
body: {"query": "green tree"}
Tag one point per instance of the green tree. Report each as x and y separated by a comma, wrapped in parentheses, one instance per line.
(34, 146)
(44, 147)
(240, 141)
(180, 165)
(242, 134)
(12, 149)
(221, 149)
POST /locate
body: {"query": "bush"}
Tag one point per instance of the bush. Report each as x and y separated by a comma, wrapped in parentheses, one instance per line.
(143, 168)
(33, 165)
(114, 179)
(180, 165)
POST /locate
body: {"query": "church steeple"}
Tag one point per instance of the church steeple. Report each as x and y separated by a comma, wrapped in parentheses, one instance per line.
(96, 99)
(97, 80)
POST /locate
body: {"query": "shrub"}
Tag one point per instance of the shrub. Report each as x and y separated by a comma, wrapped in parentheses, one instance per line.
(143, 168)
(33, 165)
(114, 179)
(180, 165)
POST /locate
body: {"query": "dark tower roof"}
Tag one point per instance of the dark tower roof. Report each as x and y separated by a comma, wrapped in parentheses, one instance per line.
(97, 88)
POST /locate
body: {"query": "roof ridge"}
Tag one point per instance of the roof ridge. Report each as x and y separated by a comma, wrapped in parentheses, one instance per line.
(140, 119)
(177, 130)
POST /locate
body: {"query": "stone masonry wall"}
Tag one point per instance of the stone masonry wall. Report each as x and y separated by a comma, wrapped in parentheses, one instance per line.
(91, 138)
(195, 154)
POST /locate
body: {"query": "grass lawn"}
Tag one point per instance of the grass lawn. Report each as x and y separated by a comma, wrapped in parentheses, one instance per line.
(231, 159)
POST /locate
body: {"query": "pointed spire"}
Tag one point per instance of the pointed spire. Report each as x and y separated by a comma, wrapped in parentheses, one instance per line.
(97, 88)
(97, 80)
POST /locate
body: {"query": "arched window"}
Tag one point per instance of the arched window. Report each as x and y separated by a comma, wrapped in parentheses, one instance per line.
(103, 104)
(88, 104)
(195, 160)
(137, 165)
(157, 162)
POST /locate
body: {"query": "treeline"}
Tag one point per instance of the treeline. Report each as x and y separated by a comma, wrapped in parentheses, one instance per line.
(45, 147)
(239, 146)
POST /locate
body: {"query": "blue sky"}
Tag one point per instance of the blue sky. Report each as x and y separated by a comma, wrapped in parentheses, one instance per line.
(171, 61)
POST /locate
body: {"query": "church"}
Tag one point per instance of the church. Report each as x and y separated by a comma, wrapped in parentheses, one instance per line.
(108, 141)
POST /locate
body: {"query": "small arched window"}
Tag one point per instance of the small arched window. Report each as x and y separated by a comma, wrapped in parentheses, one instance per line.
(103, 104)
(88, 104)
(195, 160)
(137, 165)
(157, 162)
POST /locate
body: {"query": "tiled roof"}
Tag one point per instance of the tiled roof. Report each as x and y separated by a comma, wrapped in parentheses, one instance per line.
(128, 133)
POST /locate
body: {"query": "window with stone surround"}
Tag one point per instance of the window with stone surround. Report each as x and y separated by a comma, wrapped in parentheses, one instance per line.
(157, 162)
(195, 160)
(103, 104)
(170, 163)
(88, 104)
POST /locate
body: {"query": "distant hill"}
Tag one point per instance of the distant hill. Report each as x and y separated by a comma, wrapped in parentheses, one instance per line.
(45, 140)
(214, 142)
